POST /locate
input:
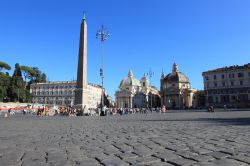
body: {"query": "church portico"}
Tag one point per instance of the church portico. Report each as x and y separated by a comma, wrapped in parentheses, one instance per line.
(124, 102)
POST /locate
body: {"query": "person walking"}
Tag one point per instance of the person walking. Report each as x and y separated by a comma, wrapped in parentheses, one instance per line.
(163, 109)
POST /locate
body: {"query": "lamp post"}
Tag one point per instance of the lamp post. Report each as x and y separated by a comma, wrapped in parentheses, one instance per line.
(103, 33)
(150, 74)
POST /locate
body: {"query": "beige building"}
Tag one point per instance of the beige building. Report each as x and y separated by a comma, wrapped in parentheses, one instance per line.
(176, 91)
(63, 93)
(133, 93)
(228, 86)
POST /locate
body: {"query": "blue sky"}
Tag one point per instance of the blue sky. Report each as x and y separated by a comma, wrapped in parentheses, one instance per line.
(198, 35)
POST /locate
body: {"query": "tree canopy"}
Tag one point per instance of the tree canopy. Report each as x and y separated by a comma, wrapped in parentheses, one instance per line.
(4, 65)
(17, 87)
(28, 72)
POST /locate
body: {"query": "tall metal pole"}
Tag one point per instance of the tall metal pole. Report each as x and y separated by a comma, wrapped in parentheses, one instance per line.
(102, 75)
(103, 33)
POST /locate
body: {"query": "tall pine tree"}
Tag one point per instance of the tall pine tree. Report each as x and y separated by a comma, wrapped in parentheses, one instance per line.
(16, 90)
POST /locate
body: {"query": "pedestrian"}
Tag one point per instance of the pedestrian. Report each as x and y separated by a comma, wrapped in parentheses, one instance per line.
(8, 114)
(212, 108)
(163, 109)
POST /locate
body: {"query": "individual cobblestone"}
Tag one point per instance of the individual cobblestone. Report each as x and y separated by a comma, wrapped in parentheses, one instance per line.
(176, 138)
(218, 155)
(181, 162)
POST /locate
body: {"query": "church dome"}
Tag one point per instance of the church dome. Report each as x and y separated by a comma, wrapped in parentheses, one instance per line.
(176, 76)
(129, 81)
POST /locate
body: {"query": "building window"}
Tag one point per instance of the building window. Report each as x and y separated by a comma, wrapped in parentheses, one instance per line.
(241, 82)
(231, 75)
(223, 84)
(216, 99)
(222, 76)
(173, 84)
(240, 75)
(215, 84)
(214, 77)
(232, 83)
(143, 84)
(249, 74)
(207, 78)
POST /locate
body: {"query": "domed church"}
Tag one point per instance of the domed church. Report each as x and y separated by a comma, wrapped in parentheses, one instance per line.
(176, 92)
(133, 93)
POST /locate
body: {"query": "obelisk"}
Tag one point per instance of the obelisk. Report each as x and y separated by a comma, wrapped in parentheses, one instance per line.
(81, 93)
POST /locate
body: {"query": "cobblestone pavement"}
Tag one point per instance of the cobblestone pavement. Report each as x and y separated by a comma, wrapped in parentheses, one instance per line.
(187, 138)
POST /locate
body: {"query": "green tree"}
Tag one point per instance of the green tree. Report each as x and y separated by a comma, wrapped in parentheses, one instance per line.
(37, 76)
(43, 77)
(27, 73)
(4, 84)
(15, 88)
(17, 71)
(17, 85)
(4, 65)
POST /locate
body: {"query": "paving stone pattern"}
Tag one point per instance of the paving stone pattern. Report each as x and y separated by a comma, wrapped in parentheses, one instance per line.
(174, 138)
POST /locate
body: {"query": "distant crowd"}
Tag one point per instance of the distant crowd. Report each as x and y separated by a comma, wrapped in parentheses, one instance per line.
(71, 111)
(45, 110)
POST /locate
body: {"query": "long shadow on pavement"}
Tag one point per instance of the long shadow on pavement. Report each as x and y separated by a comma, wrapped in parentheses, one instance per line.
(224, 121)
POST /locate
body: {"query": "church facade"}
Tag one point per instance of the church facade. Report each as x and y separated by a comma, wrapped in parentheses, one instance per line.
(133, 93)
(176, 92)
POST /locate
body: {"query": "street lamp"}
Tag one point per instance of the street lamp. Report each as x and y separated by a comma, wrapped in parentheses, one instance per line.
(150, 74)
(103, 33)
